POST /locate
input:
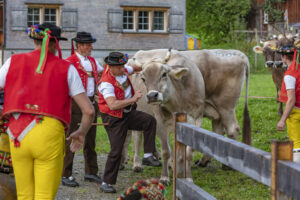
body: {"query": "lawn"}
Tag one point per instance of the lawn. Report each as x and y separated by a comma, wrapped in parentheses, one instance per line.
(229, 185)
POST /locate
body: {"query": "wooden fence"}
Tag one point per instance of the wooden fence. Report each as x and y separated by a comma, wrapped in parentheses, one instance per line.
(246, 159)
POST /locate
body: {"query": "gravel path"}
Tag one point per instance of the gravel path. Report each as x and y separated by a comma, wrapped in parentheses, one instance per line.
(91, 191)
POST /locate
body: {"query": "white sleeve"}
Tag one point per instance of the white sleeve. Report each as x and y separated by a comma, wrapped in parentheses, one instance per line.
(74, 82)
(129, 69)
(106, 89)
(99, 67)
(290, 82)
(3, 72)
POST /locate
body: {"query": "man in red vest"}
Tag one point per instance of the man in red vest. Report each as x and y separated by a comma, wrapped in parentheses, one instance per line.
(117, 103)
(38, 90)
(290, 94)
(88, 69)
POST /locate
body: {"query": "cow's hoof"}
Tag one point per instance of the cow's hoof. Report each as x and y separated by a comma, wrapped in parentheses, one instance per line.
(225, 167)
(137, 169)
(202, 163)
(165, 181)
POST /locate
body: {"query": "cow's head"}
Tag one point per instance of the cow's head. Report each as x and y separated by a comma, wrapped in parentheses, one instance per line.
(162, 79)
(269, 51)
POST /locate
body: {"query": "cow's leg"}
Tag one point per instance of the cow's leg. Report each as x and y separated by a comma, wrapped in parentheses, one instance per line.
(164, 137)
(230, 123)
(137, 138)
(218, 128)
(124, 158)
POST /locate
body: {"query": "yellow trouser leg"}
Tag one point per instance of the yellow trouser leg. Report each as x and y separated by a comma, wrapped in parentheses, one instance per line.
(38, 161)
(293, 127)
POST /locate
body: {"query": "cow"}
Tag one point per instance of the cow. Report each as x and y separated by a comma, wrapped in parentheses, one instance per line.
(223, 74)
(273, 60)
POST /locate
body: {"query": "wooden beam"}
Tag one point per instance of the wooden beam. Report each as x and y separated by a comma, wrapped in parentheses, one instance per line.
(280, 150)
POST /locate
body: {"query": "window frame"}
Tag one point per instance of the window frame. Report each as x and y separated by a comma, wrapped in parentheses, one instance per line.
(42, 8)
(150, 11)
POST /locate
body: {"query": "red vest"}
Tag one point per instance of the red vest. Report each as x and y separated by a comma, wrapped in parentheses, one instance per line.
(43, 94)
(81, 71)
(119, 93)
(283, 93)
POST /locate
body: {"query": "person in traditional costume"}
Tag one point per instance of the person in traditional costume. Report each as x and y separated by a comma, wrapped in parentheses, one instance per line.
(38, 87)
(290, 94)
(89, 70)
(117, 105)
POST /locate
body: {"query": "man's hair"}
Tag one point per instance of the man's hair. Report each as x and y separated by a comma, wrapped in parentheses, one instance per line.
(40, 42)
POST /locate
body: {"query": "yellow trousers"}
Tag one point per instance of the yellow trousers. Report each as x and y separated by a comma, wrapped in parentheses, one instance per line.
(38, 162)
(293, 127)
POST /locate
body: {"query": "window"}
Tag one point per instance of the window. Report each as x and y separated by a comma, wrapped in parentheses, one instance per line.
(158, 21)
(145, 20)
(128, 20)
(39, 14)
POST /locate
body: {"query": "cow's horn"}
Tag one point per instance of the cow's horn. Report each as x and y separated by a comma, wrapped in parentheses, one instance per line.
(167, 58)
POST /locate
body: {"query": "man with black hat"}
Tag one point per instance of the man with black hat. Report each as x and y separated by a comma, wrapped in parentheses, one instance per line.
(38, 90)
(117, 103)
(88, 69)
(290, 94)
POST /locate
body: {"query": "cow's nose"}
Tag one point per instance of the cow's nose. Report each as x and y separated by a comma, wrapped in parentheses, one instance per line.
(152, 95)
(269, 63)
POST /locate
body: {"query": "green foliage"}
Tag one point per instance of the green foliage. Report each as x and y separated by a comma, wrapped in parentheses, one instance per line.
(214, 21)
(274, 14)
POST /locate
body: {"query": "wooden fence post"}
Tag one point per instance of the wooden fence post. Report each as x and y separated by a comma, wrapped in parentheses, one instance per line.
(280, 150)
(181, 148)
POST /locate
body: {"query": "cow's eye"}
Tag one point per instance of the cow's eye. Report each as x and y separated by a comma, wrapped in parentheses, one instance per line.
(164, 75)
(143, 79)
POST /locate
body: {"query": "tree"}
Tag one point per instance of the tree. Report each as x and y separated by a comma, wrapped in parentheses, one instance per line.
(214, 21)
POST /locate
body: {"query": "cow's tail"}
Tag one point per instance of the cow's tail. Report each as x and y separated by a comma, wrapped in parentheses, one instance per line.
(246, 121)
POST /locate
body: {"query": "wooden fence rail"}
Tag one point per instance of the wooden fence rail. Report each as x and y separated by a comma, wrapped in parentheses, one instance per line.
(246, 159)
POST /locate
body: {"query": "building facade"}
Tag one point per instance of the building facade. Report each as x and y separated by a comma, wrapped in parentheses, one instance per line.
(122, 25)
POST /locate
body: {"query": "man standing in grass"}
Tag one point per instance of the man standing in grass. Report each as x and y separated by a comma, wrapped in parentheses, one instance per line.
(290, 94)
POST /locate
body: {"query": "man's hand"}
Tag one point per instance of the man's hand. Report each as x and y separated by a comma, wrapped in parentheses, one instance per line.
(138, 94)
(136, 68)
(280, 125)
(77, 140)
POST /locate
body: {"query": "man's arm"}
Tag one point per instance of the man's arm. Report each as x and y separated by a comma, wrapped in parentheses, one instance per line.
(115, 104)
(288, 109)
(77, 137)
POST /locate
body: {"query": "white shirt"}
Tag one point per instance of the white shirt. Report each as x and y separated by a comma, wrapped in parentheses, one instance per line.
(290, 82)
(86, 64)
(108, 90)
(74, 81)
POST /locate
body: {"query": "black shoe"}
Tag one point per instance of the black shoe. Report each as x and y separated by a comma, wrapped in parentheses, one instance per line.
(70, 181)
(106, 188)
(151, 161)
(92, 178)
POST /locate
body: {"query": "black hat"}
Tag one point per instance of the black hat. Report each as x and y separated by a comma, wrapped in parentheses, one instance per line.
(116, 58)
(34, 31)
(84, 37)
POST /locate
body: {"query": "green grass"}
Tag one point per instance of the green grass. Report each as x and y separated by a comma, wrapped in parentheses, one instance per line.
(228, 185)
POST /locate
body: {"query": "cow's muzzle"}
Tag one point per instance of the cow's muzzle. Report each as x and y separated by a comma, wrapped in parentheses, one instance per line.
(154, 97)
(269, 64)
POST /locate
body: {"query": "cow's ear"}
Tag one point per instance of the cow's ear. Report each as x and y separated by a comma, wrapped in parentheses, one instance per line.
(258, 49)
(178, 73)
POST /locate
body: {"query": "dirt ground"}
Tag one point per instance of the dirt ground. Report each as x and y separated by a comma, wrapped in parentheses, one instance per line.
(91, 191)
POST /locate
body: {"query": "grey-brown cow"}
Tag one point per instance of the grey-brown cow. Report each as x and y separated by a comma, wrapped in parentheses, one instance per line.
(223, 73)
